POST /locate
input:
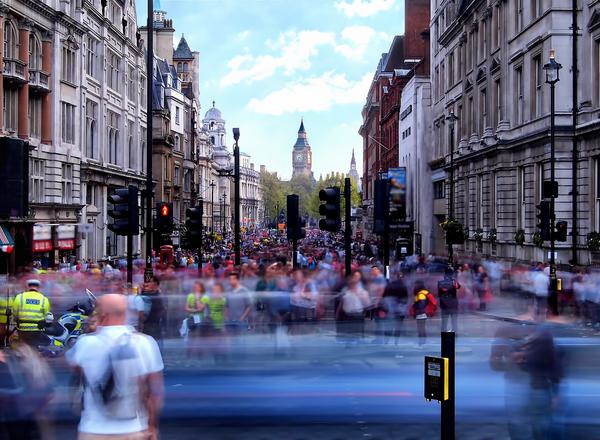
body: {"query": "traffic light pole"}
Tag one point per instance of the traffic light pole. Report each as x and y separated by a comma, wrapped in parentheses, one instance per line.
(236, 154)
(448, 411)
(348, 226)
(129, 259)
(148, 272)
(553, 294)
(295, 253)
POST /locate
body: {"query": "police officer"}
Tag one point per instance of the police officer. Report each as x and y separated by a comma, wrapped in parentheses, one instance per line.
(447, 292)
(29, 311)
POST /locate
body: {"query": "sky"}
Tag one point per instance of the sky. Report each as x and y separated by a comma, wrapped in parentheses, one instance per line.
(269, 63)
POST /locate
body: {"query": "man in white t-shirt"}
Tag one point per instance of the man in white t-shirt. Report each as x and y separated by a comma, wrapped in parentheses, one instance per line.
(90, 356)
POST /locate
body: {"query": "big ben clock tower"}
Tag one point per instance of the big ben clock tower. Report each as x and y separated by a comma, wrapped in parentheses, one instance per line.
(302, 154)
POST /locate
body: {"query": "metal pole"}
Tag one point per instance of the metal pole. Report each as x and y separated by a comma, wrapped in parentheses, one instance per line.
(200, 242)
(451, 202)
(236, 242)
(212, 206)
(148, 272)
(294, 253)
(575, 72)
(348, 228)
(129, 259)
(448, 412)
(552, 298)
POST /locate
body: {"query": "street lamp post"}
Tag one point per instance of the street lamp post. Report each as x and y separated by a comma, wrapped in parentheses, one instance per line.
(236, 199)
(552, 69)
(212, 205)
(451, 118)
(148, 272)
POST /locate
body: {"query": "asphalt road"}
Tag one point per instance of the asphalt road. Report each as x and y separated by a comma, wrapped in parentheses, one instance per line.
(317, 388)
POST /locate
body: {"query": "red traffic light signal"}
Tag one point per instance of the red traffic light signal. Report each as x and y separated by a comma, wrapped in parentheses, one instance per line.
(164, 210)
(561, 231)
(164, 217)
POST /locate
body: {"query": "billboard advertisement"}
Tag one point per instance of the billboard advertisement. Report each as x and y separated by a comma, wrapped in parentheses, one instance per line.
(397, 191)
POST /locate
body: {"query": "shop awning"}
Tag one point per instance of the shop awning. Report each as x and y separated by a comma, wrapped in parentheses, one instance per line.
(5, 237)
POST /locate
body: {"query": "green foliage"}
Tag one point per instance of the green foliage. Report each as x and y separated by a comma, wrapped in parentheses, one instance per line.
(520, 237)
(303, 186)
(274, 192)
(593, 241)
(333, 179)
(537, 239)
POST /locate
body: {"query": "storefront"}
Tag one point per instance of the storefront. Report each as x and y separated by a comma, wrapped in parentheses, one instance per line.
(7, 247)
(54, 244)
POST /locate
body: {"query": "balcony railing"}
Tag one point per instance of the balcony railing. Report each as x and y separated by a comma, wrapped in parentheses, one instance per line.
(14, 69)
(39, 80)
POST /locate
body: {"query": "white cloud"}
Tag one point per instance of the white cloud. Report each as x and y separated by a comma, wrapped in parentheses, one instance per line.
(296, 51)
(356, 41)
(244, 34)
(313, 94)
(363, 8)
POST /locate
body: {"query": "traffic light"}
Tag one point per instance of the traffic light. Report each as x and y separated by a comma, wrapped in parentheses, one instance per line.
(330, 209)
(544, 220)
(561, 231)
(301, 231)
(164, 218)
(293, 216)
(454, 233)
(125, 211)
(193, 225)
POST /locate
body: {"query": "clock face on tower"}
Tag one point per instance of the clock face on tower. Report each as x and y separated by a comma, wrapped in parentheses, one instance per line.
(299, 157)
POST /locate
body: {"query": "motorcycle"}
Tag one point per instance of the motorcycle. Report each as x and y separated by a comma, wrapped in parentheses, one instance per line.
(62, 334)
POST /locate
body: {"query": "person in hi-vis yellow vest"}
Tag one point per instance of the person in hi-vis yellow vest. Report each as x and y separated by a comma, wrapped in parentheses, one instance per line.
(29, 311)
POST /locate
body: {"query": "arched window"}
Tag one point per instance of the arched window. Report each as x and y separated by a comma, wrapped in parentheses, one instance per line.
(212, 140)
(35, 53)
(185, 67)
(177, 143)
(11, 41)
(131, 152)
(179, 67)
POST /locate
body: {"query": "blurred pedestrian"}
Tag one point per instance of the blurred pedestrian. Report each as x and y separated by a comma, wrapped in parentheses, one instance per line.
(422, 300)
(447, 293)
(351, 308)
(482, 286)
(153, 318)
(394, 303)
(122, 373)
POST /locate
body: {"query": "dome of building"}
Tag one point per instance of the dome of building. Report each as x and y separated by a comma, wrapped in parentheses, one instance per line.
(214, 113)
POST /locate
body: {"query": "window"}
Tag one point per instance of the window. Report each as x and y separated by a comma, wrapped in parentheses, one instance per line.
(522, 195)
(91, 129)
(66, 183)
(36, 178)
(143, 91)
(442, 79)
(92, 55)
(536, 110)
(436, 92)
(519, 18)
(179, 67)
(11, 41)
(187, 181)
(177, 115)
(480, 200)
(131, 86)
(131, 151)
(484, 43)
(597, 71)
(499, 24)
(497, 103)
(176, 176)
(67, 122)
(35, 116)
(439, 189)
(112, 131)
(536, 9)
(143, 148)
(520, 94)
(471, 118)
(483, 121)
(68, 65)
(112, 72)
(11, 109)
(35, 53)
(451, 69)
(177, 141)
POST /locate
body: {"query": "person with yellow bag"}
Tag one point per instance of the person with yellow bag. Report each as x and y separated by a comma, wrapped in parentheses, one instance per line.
(29, 311)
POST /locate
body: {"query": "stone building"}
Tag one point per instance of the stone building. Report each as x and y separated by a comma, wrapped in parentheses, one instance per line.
(488, 67)
(111, 121)
(251, 209)
(302, 155)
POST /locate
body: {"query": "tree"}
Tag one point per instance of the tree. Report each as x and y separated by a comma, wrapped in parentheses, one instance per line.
(333, 179)
(303, 186)
(274, 191)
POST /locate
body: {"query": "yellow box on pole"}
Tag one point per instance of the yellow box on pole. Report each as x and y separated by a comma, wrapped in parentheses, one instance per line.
(436, 378)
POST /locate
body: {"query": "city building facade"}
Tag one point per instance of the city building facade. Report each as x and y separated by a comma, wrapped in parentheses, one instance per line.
(487, 67)
(251, 209)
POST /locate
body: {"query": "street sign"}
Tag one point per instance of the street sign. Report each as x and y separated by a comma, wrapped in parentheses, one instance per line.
(397, 194)
(436, 378)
